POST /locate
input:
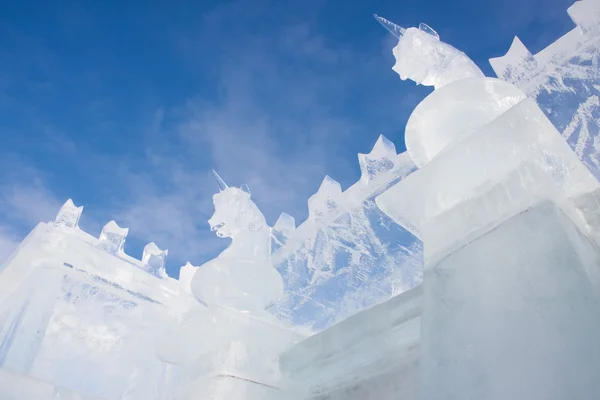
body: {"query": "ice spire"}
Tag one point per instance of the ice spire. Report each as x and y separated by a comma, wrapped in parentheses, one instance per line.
(394, 29)
(220, 181)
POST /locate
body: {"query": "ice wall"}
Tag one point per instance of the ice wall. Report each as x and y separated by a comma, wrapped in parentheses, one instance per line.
(564, 78)
(78, 313)
(347, 255)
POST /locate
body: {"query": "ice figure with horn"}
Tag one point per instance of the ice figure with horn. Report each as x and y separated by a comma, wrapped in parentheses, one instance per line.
(509, 256)
(227, 347)
(424, 59)
(242, 276)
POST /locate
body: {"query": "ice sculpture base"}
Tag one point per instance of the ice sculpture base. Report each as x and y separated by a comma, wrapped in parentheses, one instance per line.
(371, 355)
(237, 358)
(512, 314)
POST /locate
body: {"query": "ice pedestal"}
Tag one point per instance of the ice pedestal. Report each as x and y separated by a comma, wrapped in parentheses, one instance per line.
(233, 355)
(513, 315)
(371, 355)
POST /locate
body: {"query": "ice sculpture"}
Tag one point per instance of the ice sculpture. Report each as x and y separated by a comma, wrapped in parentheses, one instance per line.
(228, 346)
(508, 264)
(509, 307)
(242, 276)
(424, 59)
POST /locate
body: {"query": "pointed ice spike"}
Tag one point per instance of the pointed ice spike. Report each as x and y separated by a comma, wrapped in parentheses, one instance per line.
(220, 181)
(394, 29)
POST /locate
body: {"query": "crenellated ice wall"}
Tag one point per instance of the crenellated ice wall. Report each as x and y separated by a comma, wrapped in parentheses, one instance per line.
(347, 255)
(79, 313)
(564, 78)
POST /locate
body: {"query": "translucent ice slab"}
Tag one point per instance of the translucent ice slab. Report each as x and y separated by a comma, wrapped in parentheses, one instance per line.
(371, 355)
(521, 134)
(513, 315)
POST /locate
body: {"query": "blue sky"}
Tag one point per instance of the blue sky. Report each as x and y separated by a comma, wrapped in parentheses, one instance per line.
(126, 106)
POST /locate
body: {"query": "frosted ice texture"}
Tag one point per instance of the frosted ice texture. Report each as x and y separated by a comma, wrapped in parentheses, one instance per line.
(348, 255)
(564, 78)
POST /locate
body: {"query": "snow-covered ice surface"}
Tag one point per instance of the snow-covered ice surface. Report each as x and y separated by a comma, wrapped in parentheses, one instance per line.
(564, 78)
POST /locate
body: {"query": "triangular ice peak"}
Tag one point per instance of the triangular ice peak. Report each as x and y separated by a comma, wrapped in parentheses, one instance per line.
(285, 223)
(69, 215)
(154, 260)
(518, 54)
(112, 238)
(379, 160)
(585, 13)
(326, 201)
(186, 273)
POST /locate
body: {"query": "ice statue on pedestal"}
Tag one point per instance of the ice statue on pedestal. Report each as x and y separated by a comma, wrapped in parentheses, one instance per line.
(242, 276)
(510, 294)
(229, 345)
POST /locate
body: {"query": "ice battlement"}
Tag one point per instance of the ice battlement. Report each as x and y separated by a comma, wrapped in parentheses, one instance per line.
(112, 241)
(380, 168)
(519, 62)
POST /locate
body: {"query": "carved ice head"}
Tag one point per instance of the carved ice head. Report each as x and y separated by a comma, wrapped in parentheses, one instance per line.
(234, 211)
(418, 57)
